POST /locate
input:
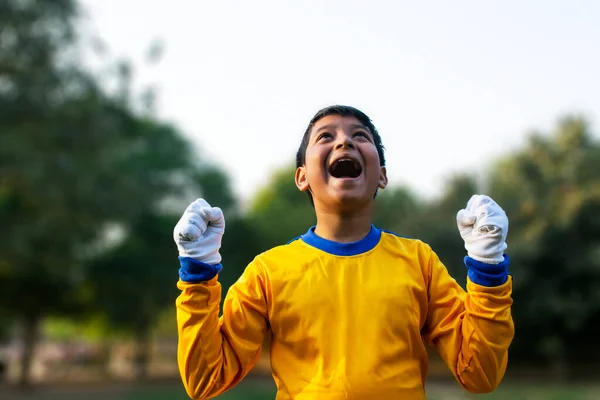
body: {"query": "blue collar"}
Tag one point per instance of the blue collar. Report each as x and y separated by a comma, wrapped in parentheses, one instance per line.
(343, 249)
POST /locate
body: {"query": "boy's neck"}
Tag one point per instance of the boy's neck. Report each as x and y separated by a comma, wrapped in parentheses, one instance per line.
(343, 228)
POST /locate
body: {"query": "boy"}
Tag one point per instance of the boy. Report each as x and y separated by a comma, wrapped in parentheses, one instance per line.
(349, 308)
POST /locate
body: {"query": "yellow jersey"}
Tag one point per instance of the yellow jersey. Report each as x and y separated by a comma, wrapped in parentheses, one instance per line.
(346, 321)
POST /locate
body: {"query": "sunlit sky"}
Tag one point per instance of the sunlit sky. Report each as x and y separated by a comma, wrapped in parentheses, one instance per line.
(449, 85)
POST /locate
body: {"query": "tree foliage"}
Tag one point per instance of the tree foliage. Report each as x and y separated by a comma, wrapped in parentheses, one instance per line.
(551, 191)
(280, 212)
(91, 187)
(76, 160)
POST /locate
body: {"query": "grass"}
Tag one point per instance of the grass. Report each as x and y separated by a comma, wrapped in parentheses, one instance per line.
(541, 391)
(248, 390)
(252, 389)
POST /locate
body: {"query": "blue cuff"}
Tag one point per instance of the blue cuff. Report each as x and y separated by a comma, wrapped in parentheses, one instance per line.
(489, 275)
(194, 271)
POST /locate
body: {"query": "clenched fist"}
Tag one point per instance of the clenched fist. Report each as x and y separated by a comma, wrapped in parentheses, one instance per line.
(483, 226)
(199, 232)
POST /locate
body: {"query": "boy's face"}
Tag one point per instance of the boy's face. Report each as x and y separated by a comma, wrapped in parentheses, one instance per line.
(342, 168)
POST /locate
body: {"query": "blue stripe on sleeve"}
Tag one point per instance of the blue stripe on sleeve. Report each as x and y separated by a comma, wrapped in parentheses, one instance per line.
(489, 275)
(194, 271)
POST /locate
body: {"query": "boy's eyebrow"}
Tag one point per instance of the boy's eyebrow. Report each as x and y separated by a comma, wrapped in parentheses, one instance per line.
(361, 126)
(353, 126)
(325, 127)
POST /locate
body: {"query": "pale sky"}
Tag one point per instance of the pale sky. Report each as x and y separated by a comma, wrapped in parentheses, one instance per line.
(449, 85)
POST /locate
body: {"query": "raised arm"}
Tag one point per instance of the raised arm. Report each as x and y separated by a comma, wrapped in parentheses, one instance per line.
(214, 354)
(473, 330)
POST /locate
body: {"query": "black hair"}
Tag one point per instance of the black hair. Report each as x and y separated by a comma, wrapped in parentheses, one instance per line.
(343, 111)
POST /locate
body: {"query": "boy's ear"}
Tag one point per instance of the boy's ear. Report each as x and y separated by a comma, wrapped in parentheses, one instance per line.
(383, 180)
(301, 179)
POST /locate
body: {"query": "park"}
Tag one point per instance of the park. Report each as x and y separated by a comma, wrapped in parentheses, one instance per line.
(93, 180)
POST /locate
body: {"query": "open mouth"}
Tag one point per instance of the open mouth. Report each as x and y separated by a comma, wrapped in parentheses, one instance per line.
(345, 168)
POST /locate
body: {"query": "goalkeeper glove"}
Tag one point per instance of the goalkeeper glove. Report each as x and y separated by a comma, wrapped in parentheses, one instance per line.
(199, 232)
(483, 226)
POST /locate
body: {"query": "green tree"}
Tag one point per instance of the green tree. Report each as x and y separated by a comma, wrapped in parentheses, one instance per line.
(396, 209)
(437, 224)
(134, 282)
(74, 160)
(551, 192)
(280, 212)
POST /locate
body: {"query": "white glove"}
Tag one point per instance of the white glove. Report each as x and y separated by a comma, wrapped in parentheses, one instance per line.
(199, 232)
(483, 226)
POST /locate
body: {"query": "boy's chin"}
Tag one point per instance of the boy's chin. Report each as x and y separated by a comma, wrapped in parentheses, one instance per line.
(350, 199)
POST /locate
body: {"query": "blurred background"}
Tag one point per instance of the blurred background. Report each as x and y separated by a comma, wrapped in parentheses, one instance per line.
(114, 115)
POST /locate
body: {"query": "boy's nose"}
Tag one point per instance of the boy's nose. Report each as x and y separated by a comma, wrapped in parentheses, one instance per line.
(344, 141)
